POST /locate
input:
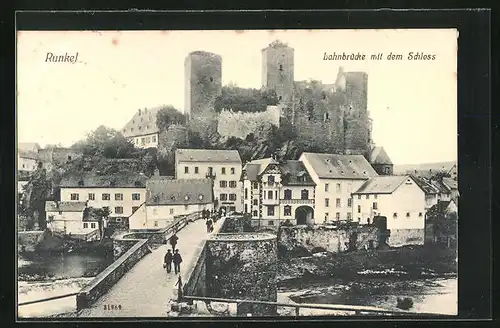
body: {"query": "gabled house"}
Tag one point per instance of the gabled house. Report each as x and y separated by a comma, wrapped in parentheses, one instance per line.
(400, 199)
(142, 130)
(275, 192)
(167, 198)
(70, 218)
(336, 178)
(222, 166)
(435, 190)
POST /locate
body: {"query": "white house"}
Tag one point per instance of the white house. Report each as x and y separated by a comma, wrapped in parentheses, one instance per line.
(27, 161)
(435, 190)
(70, 218)
(397, 198)
(336, 178)
(122, 193)
(142, 130)
(274, 192)
(167, 198)
(223, 166)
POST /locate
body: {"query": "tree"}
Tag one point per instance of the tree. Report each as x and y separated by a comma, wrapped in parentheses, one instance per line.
(37, 191)
(167, 116)
(101, 214)
(106, 142)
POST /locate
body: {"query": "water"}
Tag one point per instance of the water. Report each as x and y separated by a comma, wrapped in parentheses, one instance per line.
(43, 276)
(430, 295)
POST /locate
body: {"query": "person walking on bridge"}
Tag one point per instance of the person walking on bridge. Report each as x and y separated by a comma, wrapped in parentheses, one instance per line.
(168, 261)
(173, 241)
(177, 259)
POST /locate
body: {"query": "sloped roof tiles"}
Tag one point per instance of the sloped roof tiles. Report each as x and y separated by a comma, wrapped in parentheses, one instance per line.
(163, 191)
(207, 155)
(333, 166)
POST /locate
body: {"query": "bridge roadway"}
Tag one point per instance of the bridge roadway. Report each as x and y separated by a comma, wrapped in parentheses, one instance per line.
(145, 290)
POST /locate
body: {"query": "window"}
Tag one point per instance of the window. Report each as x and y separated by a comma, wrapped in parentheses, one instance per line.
(326, 216)
(136, 196)
(233, 170)
(349, 216)
(246, 193)
(270, 179)
(92, 225)
(118, 219)
(186, 207)
(304, 194)
(223, 184)
(337, 202)
(118, 196)
(270, 210)
(75, 196)
(281, 67)
(395, 215)
(232, 197)
(210, 170)
(119, 210)
(367, 196)
(327, 202)
(91, 196)
(232, 184)
(387, 170)
(246, 208)
(270, 222)
(337, 215)
(232, 209)
(359, 208)
(254, 213)
(134, 208)
(326, 187)
(223, 196)
(408, 215)
(85, 225)
(223, 170)
(359, 196)
(255, 185)
(186, 169)
(154, 138)
(171, 211)
(420, 214)
(255, 202)
(287, 210)
(349, 202)
(269, 194)
(288, 194)
(338, 187)
(156, 223)
(196, 170)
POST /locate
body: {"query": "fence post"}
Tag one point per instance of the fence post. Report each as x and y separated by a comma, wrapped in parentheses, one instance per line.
(297, 311)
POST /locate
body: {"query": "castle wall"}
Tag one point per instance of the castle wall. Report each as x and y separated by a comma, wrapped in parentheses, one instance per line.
(239, 124)
(169, 140)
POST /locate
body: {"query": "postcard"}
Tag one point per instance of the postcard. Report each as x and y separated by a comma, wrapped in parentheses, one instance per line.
(249, 173)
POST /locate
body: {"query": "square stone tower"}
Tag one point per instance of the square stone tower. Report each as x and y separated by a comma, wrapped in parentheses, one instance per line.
(277, 70)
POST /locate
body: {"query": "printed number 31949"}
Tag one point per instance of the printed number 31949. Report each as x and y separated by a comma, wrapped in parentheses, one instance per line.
(112, 307)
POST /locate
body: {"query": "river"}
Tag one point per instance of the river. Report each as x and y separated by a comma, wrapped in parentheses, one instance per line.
(430, 295)
(53, 275)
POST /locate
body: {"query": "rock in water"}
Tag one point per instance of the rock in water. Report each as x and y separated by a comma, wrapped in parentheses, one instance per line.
(404, 303)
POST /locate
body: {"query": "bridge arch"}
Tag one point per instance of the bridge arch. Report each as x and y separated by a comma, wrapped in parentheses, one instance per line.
(304, 215)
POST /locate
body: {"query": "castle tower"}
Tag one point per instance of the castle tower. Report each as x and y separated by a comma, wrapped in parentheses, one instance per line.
(277, 70)
(203, 78)
(357, 123)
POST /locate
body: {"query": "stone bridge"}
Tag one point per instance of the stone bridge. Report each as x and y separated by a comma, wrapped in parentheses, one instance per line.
(137, 285)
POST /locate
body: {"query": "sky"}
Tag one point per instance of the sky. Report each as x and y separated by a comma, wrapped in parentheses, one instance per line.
(413, 103)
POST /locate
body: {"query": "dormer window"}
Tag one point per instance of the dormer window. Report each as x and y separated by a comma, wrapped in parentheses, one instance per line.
(200, 197)
(186, 198)
(137, 184)
(172, 197)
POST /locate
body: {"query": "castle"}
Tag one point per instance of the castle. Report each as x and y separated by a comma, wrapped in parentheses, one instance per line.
(332, 116)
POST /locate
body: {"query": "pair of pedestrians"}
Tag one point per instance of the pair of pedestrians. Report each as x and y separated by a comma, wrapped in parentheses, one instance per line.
(174, 258)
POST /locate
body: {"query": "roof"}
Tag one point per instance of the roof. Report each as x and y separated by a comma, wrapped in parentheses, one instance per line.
(443, 205)
(333, 166)
(431, 186)
(296, 173)
(255, 168)
(142, 123)
(382, 184)
(160, 191)
(451, 183)
(207, 155)
(379, 156)
(110, 180)
(52, 206)
(29, 154)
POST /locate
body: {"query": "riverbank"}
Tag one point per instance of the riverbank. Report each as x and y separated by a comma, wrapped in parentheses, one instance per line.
(405, 262)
